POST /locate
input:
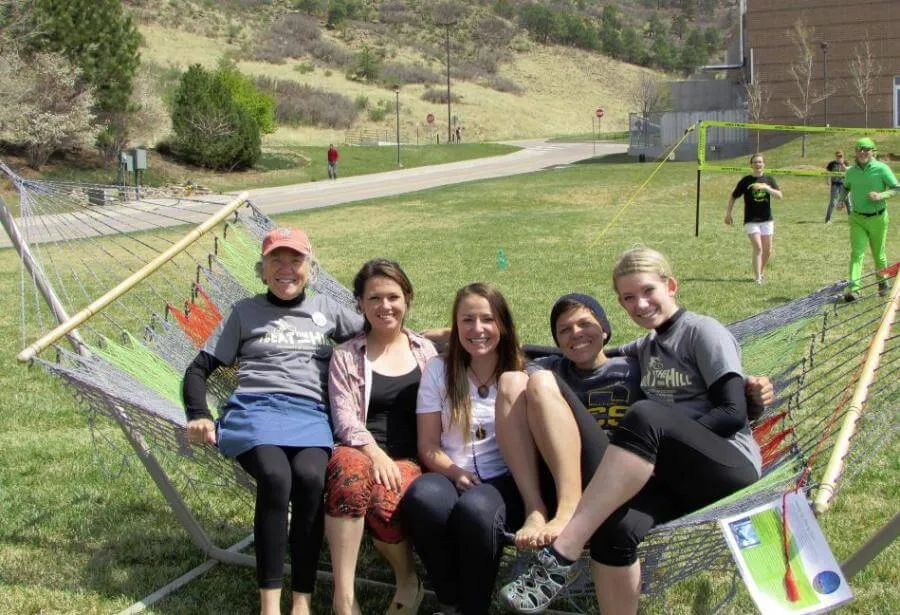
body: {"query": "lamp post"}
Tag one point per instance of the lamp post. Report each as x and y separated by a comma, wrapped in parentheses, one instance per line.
(449, 24)
(397, 107)
(824, 47)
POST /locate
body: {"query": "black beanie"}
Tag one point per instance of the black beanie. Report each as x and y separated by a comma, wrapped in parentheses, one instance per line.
(587, 301)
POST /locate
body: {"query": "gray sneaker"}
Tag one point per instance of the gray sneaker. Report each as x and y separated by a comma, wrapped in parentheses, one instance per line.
(533, 591)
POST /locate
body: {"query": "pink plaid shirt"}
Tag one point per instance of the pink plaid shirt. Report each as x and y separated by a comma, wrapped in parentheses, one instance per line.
(347, 386)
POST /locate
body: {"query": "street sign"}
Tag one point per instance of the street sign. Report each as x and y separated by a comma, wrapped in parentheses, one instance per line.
(430, 118)
(599, 112)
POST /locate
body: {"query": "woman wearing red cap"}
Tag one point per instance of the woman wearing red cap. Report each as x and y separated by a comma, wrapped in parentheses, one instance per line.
(276, 423)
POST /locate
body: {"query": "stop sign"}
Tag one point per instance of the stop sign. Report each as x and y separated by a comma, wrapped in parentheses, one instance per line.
(430, 118)
(599, 112)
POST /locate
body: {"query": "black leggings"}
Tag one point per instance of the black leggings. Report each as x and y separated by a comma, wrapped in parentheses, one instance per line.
(693, 467)
(287, 474)
(458, 535)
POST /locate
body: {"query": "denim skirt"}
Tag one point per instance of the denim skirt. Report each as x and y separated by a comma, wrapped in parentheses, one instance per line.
(282, 419)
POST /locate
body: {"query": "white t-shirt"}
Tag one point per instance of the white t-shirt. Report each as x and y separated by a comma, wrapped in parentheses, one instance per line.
(483, 453)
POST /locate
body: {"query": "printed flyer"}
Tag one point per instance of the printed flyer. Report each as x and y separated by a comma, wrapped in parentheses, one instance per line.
(757, 543)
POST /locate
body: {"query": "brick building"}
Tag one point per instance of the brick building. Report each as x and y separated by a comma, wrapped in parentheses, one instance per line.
(839, 27)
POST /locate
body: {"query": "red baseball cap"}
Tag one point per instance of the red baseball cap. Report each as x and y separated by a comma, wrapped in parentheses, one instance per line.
(292, 238)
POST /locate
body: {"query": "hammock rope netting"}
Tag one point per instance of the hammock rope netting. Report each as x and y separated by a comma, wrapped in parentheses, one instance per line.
(130, 358)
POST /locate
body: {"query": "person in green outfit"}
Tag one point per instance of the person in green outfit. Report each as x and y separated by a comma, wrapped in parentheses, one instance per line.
(869, 182)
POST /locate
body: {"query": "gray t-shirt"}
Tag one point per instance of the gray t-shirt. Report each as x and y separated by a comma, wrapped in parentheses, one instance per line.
(283, 349)
(605, 391)
(678, 367)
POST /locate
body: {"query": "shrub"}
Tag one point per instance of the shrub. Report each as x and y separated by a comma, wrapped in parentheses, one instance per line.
(395, 73)
(44, 105)
(302, 104)
(291, 36)
(260, 105)
(361, 102)
(211, 129)
(492, 31)
(434, 95)
(304, 67)
(329, 53)
(394, 12)
(502, 84)
(376, 114)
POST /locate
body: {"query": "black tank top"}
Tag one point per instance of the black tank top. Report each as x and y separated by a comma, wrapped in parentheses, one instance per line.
(391, 418)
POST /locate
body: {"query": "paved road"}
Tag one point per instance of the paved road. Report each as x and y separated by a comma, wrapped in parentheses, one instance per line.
(152, 213)
(534, 156)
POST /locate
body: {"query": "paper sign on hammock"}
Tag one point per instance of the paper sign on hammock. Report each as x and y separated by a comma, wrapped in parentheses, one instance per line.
(757, 544)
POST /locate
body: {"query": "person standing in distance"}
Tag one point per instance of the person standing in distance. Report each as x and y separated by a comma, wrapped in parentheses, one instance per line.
(869, 183)
(757, 190)
(838, 165)
(333, 156)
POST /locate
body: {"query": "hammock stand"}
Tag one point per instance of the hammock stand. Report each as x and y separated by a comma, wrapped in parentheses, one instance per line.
(151, 428)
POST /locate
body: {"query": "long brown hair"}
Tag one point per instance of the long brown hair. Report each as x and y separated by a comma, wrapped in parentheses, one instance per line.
(509, 353)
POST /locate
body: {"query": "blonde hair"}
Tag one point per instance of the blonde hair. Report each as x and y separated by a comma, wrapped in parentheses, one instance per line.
(641, 259)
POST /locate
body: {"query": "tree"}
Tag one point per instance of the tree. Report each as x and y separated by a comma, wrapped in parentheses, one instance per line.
(310, 7)
(44, 105)
(655, 27)
(633, 47)
(679, 26)
(662, 55)
(801, 70)
(211, 129)
(98, 38)
(537, 19)
(650, 95)
(693, 52)
(758, 96)
(610, 34)
(259, 104)
(14, 24)
(366, 66)
(865, 69)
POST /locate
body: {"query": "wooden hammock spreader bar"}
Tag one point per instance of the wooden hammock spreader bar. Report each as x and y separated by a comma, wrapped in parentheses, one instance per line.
(131, 281)
(860, 392)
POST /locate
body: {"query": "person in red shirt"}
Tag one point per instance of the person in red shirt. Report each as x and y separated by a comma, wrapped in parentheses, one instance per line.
(333, 156)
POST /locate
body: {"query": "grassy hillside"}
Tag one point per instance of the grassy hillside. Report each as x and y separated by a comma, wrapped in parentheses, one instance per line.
(561, 89)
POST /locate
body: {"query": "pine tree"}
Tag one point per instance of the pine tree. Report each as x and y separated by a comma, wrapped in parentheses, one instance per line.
(98, 38)
(211, 128)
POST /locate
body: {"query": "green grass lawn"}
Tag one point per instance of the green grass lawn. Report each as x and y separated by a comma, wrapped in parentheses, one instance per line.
(81, 533)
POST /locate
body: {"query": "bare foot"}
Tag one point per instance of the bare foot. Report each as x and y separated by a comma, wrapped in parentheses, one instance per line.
(552, 529)
(530, 532)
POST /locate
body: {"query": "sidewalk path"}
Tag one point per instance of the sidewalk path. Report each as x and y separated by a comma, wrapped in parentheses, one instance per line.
(153, 213)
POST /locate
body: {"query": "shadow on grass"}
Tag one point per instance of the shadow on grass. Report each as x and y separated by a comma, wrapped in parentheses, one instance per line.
(608, 159)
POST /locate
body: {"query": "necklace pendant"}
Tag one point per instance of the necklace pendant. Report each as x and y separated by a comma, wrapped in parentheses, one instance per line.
(483, 391)
(480, 433)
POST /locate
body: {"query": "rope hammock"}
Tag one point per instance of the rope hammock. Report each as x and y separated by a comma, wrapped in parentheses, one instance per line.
(835, 365)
